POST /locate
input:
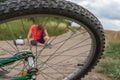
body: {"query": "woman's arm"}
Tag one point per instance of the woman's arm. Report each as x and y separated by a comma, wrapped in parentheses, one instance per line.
(46, 33)
(28, 37)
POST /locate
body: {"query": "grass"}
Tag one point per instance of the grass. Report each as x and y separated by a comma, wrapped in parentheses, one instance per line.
(1, 54)
(2, 0)
(111, 69)
(113, 50)
(110, 65)
(14, 29)
(54, 31)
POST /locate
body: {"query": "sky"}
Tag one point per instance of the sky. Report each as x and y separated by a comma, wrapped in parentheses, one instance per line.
(107, 11)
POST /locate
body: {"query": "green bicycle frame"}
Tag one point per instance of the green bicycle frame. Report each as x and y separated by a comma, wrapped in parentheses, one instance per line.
(27, 77)
(16, 57)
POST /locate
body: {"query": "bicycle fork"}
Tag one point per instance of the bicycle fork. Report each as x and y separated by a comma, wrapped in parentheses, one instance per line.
(28, 56)
(31, 67)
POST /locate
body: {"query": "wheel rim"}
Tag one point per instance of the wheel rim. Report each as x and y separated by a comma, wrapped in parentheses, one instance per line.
(72, 49)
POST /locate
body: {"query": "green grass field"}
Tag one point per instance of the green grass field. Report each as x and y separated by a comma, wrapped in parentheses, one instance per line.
(110, 64)
(14, 29)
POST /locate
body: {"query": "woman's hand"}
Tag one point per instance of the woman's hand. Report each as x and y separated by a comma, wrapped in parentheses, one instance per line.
(26, 42)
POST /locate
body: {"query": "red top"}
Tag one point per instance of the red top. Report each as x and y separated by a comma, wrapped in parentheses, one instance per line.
(36, 36)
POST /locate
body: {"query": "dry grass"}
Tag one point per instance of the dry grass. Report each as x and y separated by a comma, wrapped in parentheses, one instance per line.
(112, 36)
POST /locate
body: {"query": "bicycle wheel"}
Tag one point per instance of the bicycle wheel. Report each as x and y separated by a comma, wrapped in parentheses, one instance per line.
(76, 35)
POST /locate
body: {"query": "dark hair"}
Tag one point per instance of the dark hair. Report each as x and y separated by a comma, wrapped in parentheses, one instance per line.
(40, 27)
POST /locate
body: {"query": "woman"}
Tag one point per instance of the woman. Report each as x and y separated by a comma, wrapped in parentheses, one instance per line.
(39, 35)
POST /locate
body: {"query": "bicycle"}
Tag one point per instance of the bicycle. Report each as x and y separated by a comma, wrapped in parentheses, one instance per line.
(76, 49)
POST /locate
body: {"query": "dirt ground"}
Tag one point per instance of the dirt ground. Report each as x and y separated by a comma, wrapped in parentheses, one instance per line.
(91, 75)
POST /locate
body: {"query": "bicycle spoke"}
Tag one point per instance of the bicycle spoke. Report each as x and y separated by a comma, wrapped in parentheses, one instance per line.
(10, 45)
(70, 38)
(56, 50)
(22, 70)
(13, 36)
(39, 53)
(51, 67)
(14, 67)
(9, 69)
(51, 40)
(65, 51)
(7, 43)
(70, 48)
(7, 51)
(36, 54)
(59, 53)
(44, 76)
(71, 57)
(47, 75)
(56, 27)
